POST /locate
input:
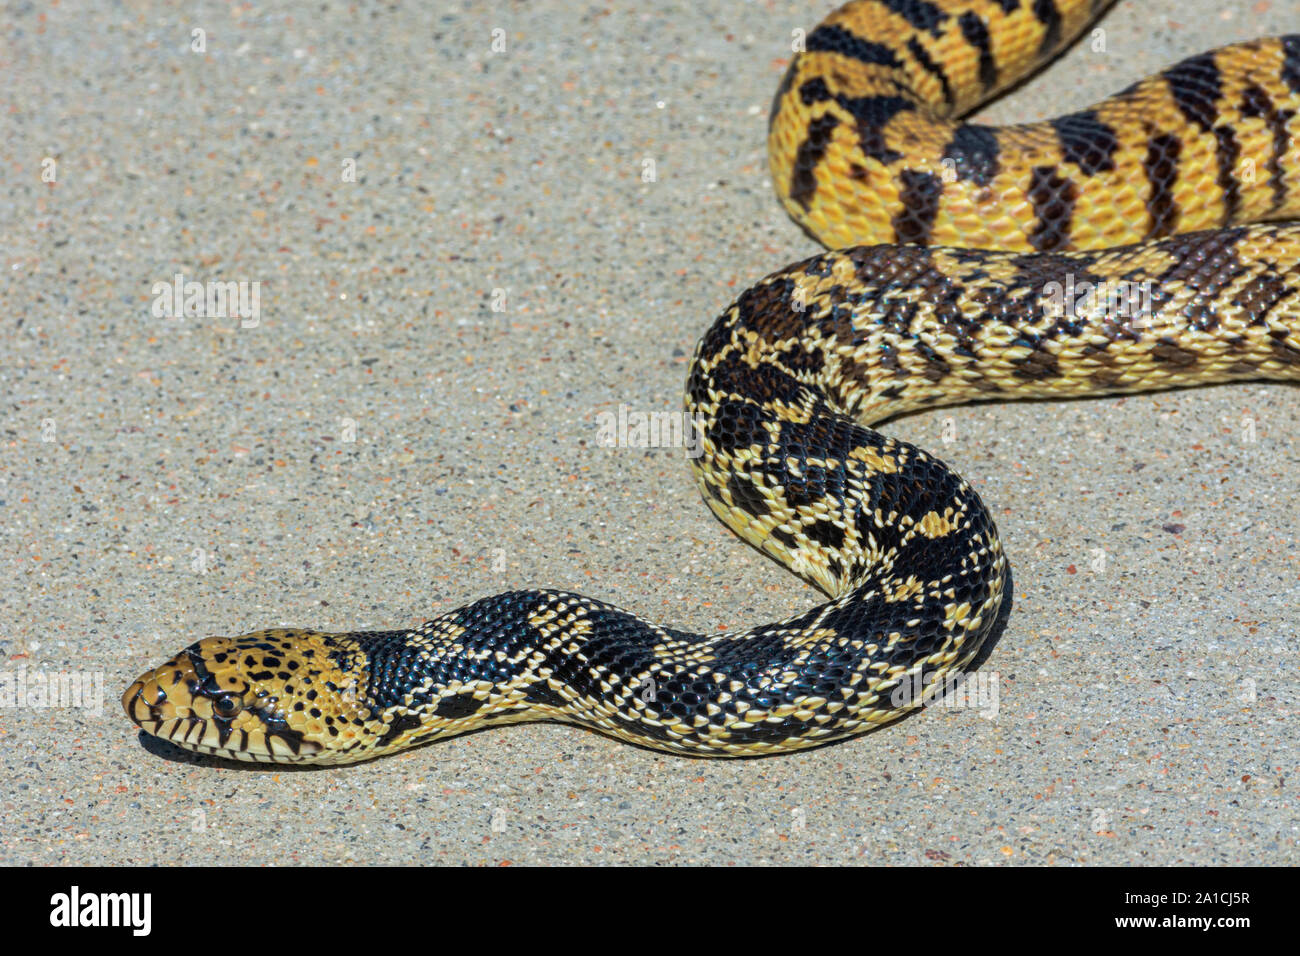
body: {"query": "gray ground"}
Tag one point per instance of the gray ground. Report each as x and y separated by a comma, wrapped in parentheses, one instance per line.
(170, 478)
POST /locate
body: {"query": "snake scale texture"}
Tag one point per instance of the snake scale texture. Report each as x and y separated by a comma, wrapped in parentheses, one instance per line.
(960, 250)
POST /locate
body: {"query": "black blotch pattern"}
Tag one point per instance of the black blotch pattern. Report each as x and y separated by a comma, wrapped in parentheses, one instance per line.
(1226, 151)
(1206, 263)
(1291, 62)
(1257, 297)
(1256, 102)
(974, 153)
(457, 706)
(400, 724)
(1053, 198)
(936, 366)
(1168, 352)
(803, 180)
(1281, 349)
(767, 308)
(919, 196)
(873, 113)
(830, 38)
(1050, 18)
(738, 423)
(1040, 363)
(1161, 168)
(915, 47)
(745, 496)
(977, 35)
(1196, 85)
(1087, 142)
(1279, 122)
(920, 13)
(814, 91)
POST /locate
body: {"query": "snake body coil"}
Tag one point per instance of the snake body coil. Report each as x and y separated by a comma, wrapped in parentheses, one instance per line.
(1089, 277)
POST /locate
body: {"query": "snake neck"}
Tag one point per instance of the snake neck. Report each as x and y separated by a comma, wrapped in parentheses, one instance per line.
(530, 655)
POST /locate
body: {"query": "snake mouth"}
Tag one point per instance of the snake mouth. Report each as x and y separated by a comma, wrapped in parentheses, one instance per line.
(183, 703)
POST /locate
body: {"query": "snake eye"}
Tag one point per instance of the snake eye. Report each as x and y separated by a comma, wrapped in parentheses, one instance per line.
(227, 705)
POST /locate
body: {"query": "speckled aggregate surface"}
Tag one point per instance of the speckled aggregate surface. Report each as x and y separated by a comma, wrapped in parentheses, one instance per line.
(476, 227)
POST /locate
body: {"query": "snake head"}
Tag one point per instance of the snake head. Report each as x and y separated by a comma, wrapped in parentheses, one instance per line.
(281, 696)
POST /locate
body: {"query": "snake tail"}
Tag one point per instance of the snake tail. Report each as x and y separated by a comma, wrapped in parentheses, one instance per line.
(865, 143)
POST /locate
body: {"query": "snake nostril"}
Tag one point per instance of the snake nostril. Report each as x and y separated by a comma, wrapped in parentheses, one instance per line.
(142, 700)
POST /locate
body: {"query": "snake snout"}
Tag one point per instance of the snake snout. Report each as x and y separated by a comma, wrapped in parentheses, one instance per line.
(162, 694)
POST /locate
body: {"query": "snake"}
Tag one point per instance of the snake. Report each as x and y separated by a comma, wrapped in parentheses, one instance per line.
(1140, 244)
